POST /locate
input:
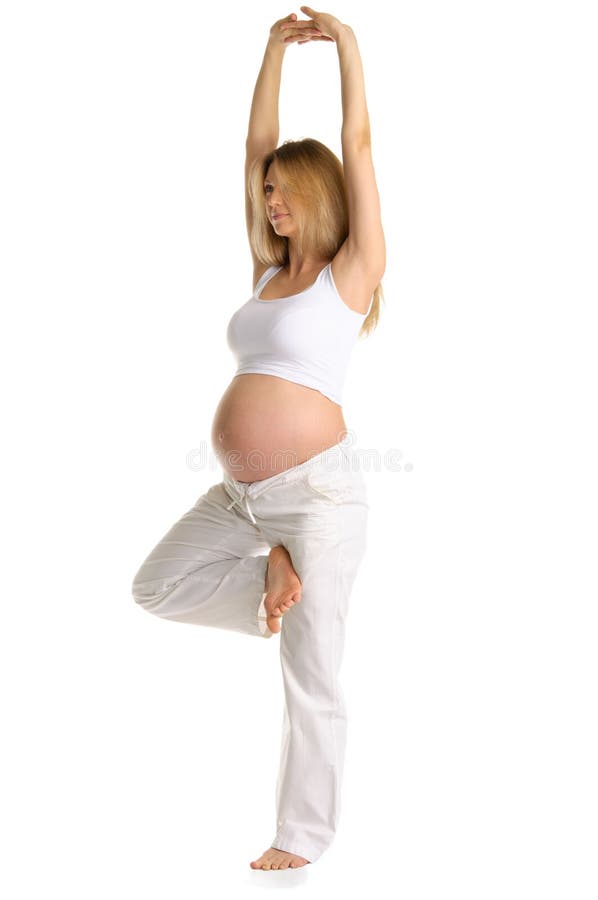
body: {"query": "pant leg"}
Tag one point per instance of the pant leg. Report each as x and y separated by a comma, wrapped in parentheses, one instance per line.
(208, 569)
(322, 521)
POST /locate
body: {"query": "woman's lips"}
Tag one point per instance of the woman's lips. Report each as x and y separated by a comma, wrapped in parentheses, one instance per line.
(280, 216)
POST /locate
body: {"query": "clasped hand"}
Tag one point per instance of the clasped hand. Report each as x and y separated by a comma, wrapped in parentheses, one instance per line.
(320, 27)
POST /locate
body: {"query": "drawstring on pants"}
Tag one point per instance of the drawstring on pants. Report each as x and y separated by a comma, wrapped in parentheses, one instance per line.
(247, 507)
(241, 489)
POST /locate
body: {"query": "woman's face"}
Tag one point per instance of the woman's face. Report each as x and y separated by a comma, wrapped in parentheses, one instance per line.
(278, 210)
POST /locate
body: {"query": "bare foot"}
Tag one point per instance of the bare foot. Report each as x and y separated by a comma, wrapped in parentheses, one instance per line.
(278, 859)
(283, 587)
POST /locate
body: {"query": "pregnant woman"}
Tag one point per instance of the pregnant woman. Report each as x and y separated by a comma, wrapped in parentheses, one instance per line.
(284, 532)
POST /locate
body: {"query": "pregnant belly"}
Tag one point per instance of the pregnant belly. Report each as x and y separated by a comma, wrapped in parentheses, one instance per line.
(265, 424)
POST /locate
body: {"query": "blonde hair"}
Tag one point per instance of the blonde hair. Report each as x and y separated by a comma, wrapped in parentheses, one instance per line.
(312, 178)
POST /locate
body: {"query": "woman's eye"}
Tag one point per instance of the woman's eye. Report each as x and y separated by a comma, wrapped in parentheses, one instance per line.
(268, 186)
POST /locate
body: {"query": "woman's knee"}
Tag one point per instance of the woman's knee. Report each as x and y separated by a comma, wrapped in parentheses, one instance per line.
(148, 592)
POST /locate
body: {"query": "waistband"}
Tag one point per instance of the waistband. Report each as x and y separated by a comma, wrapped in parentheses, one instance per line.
(242, 491)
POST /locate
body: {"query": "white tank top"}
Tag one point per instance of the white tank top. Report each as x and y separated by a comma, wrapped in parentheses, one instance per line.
(306, 338)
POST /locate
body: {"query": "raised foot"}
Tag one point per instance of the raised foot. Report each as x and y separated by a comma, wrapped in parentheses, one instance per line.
(278, 859)
(283, 587)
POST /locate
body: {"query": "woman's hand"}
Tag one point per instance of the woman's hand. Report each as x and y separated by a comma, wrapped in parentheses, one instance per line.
(328, 26)
(289, 30)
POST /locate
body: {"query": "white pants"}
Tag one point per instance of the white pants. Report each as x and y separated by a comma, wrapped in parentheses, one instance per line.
(210, 569)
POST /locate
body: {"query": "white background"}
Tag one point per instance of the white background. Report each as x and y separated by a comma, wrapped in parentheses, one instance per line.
(139, 755)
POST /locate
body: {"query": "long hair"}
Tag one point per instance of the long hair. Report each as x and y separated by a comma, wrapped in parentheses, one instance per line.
(312, 178)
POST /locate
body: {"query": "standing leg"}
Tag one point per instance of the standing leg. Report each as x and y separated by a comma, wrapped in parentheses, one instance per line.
(209, 569)
(326, 558)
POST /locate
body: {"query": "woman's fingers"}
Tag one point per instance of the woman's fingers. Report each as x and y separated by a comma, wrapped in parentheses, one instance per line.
(302, 37)
(302, 32)
(299, 26)
(294, 22)
(288, 30)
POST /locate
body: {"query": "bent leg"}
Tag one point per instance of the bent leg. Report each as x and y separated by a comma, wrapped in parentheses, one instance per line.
(208, 569)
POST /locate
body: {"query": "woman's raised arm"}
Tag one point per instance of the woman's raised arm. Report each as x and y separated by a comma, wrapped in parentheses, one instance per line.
(263, 129)
(263, 126)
